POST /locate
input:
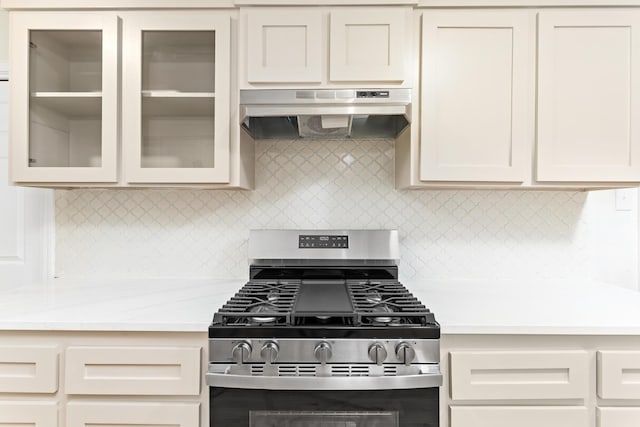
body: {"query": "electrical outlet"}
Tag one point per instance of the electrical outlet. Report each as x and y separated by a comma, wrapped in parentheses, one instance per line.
(624, 199)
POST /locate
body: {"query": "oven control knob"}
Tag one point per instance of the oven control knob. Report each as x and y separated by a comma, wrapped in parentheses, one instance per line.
(405, 353)
(269, 351)
(323, 352)
(377, 353)
(241, 352)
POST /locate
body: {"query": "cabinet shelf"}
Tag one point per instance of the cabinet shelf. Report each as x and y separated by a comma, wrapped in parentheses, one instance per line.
(176, 94)
(70, 104)
(178, 106)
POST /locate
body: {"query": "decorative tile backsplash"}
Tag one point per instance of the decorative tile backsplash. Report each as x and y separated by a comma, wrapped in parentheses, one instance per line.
(322, 184)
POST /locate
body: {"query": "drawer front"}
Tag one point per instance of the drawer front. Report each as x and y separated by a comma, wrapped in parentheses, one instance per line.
(28, 369)
(518, 375)
(36, 414)
(619, 374)
(519, 416)
(618, 417)
(156, 414)
(133, 370)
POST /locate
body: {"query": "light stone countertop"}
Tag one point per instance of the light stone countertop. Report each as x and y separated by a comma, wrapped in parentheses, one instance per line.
(187, 305)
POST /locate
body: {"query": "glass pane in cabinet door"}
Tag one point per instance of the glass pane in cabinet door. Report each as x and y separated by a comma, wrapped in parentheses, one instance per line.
(178, 99)
(65, 105)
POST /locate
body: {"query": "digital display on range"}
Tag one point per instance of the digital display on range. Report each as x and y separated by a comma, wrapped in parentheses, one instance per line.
(307, 241)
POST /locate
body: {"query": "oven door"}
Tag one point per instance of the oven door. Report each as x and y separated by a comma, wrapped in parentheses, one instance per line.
(246, 401)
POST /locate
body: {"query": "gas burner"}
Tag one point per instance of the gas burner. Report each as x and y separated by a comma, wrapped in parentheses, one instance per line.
(263, 308)
(373, 297)
(384, 308)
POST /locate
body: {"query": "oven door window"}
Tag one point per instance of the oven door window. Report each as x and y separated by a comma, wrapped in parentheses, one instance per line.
(322, 419)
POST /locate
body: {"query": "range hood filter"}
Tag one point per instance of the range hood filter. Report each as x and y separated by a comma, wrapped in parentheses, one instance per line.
(330, 126)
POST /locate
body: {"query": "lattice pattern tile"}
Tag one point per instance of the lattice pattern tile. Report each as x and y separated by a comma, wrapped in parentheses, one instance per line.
(321, 184)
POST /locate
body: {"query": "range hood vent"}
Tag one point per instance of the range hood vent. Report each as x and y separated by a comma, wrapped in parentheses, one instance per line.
(325, 113)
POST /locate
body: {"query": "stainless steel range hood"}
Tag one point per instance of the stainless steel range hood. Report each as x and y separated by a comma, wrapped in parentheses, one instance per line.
(325, 113)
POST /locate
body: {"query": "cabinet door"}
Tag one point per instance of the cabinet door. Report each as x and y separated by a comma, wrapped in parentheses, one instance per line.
(28, 369)
(619, 374)
(64, 92)
(519, 375)
(519, 416)
(169, 371)
(121, 414)
(475, 96)
(22, 413)
(589, 96)
(285, 46)
(176, 97)
(618, 417)
(368, 44)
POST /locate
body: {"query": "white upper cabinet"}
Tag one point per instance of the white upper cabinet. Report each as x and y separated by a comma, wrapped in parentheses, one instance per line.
(367, 45)
(476, 75)
(176, 78)
(64, 97)
(589, 96)
(285, 46)
(326, 46)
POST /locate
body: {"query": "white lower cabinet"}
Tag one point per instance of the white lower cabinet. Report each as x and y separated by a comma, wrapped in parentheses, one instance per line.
(84, 414)
(618, 417)
(519, 416)
(28, 369)
(619, 375)
(134, 370)
(519, 375)
(23, 414)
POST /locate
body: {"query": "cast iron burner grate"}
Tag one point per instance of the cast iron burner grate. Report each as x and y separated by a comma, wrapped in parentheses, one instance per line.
(260, 302)
(387, 303)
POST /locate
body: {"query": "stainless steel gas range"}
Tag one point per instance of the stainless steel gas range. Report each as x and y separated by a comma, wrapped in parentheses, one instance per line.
(323, 334)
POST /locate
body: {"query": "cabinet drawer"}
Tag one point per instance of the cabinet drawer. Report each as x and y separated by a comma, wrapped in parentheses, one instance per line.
(517, 375)
(36, 414)
(520, 416)
(83, 414)
(618, 417)
(28, 369)
(619, 374)
(133, 370)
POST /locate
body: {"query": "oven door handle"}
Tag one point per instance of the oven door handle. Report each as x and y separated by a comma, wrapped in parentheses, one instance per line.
(430, 376)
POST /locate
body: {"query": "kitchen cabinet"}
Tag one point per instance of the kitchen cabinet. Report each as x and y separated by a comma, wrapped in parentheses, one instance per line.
(539, 380)
(64, 97)
(618, 417)
(78, 379)
(176, 78)
(588, 96)
(475, 79)
(167, 124)
(511, 416)
(85, 414)
(518, 375)
(36, 414)
(327, 46)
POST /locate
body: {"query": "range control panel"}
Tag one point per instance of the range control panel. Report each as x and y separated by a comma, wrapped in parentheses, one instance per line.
(315, 241)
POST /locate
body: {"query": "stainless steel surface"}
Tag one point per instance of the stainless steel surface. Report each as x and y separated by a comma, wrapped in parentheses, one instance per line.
(428, 376)
(405, 353)
(320, 96)
(321, 110)
(269, 352)
(323, 352)
(364, 245)
(377, 353)
(345, 350)
(241, 352)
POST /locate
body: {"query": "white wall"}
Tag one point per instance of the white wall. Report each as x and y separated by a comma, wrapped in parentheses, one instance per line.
(4, 36)
(323, 184)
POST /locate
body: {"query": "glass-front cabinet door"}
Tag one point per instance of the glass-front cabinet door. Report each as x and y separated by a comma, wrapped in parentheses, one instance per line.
(64, 92)
(176, 97)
